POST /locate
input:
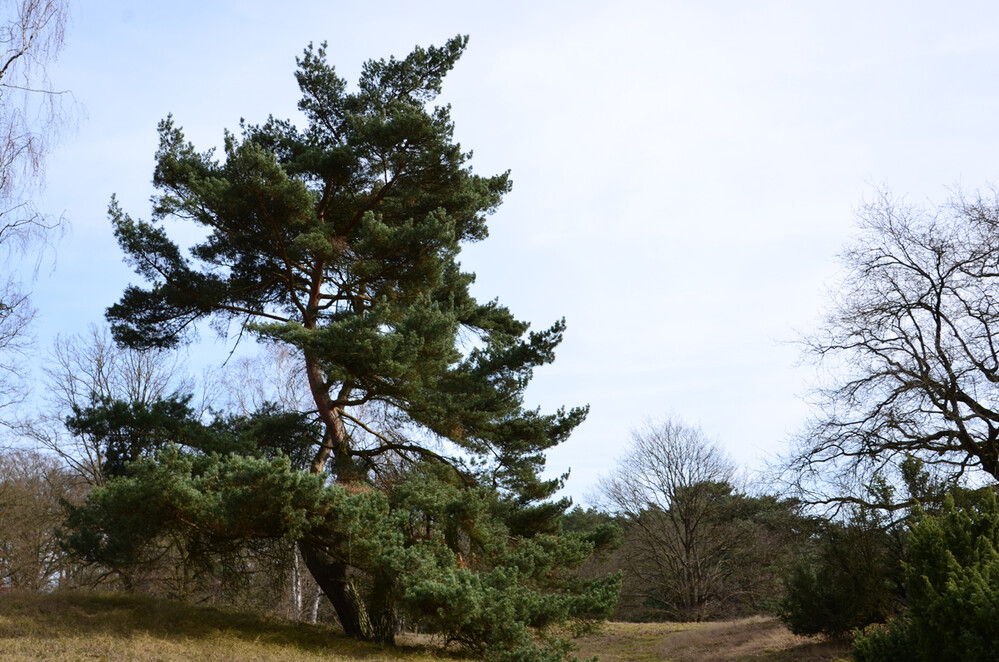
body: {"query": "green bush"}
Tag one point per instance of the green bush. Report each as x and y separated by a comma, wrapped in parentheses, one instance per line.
(850, 578)
(885, 643)
(952, 583)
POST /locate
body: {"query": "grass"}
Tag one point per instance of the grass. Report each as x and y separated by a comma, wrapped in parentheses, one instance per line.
(754, 639)
(67, 627)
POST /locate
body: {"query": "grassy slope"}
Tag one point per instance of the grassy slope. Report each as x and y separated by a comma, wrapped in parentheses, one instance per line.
(66, 627)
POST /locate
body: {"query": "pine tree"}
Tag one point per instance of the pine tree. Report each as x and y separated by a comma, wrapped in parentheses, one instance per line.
(341, 241)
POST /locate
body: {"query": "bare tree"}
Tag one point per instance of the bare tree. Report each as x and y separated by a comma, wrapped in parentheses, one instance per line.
(31, 112)
(911, 347)
(31, 35)
(669, 486)
(88, 366)
(16, 314)
(33, 490)
(273, 376)
(86, 369)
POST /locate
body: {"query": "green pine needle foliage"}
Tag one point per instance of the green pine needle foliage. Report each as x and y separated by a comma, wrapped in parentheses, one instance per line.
(433, 546)
(952, 581)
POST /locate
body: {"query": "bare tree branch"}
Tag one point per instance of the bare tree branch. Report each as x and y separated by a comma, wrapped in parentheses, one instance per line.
(910, 346)
(31, 36)
(86, 369)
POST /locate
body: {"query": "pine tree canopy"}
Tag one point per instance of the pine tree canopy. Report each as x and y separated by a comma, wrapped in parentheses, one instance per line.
(342, 240)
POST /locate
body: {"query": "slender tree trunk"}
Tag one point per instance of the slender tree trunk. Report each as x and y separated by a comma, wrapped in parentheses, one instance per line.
(332, 577)
(315, 596)
(296, 586)
(305, 593)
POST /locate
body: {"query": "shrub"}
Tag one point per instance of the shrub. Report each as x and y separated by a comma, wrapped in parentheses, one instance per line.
(885, 643)
(952, 583)
(850, 579)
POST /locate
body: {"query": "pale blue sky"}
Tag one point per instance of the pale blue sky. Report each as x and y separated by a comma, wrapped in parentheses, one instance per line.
(684, 172)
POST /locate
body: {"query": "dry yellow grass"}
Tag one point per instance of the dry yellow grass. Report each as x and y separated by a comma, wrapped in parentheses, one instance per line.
(71, 627)
(745, 640)
(65, 627)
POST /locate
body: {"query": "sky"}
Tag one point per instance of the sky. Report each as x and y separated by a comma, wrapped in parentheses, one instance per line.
(685, 173)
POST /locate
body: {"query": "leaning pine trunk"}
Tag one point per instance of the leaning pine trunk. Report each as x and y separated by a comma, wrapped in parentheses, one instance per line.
(332, 577)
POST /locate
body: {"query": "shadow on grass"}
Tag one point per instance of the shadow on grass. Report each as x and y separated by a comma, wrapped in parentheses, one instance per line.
(68, 614)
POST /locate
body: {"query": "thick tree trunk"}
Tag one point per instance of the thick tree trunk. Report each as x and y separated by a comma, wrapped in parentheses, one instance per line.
(334, 580)
(384, 617)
